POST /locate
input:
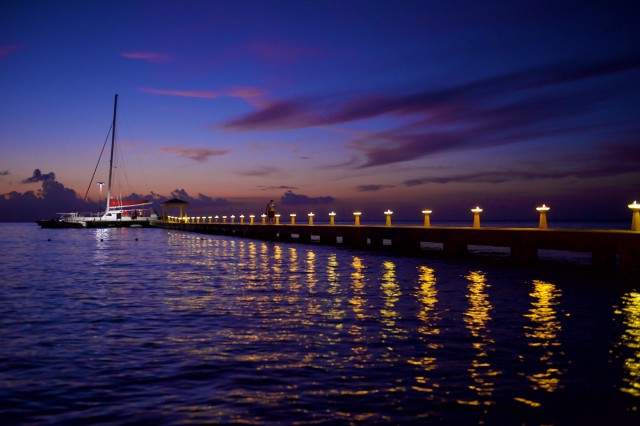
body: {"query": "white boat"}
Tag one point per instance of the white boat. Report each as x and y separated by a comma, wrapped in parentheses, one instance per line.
(118, 213)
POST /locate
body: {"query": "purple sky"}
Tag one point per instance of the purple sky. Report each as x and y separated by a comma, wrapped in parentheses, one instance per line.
(332, 105)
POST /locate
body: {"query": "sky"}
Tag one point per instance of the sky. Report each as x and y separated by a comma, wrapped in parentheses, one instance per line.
(324, 106)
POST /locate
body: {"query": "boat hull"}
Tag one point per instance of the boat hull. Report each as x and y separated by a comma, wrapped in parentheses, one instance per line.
(139, 223)
(54, 223)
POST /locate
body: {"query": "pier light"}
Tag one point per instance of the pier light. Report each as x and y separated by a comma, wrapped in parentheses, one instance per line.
(209, 217)
(311, 218)
(332, 217)
(193, 219)
(100, 184)
(241, 219)
(233, 218)
(427, 220)
(388, 214)
(277, 218)
(216, 217)
(198, 219)
(251, 218)
(293, 218)
(264, 218)
(635, 220)
(357, 216)
(476, 216)
(543, 216)
(224, 219)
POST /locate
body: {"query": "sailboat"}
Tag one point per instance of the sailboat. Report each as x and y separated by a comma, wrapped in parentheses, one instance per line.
(118, 213)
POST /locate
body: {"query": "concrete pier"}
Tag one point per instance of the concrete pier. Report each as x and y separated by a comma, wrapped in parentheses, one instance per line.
(608, 248)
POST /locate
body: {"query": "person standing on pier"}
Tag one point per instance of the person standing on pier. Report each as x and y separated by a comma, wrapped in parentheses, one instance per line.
(271, 212)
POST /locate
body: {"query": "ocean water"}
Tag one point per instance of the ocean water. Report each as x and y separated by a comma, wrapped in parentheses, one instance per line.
(149, 326)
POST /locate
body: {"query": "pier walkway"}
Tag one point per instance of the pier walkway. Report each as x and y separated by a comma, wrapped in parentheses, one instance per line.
(608, 248)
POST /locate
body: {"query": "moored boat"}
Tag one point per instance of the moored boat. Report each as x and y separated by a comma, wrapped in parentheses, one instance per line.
(118, 213)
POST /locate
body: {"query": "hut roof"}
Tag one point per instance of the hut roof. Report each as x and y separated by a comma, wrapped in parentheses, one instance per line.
(174, 202)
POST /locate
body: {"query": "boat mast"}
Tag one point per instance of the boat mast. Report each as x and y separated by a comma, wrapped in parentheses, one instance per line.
(113, 142)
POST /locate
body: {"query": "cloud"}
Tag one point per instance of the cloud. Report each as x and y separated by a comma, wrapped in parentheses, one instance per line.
(249, 94)
(291, 199)
(39, 177)
(263, 171)
(611, 160)
(181, 93)
(272, 188)
(505, 109)
(201, 201)
(276, 116)
(147, 56)
(372, 188)
(197, 154)
(4, 173)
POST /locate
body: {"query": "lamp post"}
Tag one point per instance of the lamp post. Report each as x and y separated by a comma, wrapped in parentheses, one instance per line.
(388, 214)
(543, 216)
(476, 217)
(635, 220)
(427, 221)
(332, 220)
(277, 218)
(264, 218)
(357, 216)
(241, 219)
(100, 184)
(293, 218)
(311, 218)
(252, 217)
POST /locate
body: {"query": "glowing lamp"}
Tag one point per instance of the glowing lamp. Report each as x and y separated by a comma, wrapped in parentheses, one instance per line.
(293, 218)
(476, 216)
(251, 218)
(264, 218)
(635, 220)
(311, 218)
(427, 220)
(241, 219)
(543, 216)
(209, 217)
(224, 219)
(357, 216)
(332, 216)
(216, 217)
(388, 214)
(277, 218)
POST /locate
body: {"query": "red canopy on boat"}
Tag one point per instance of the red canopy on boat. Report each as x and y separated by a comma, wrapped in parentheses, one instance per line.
(121, 204)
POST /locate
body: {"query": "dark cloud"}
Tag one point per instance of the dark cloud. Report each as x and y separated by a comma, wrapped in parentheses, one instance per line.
(4, 173)
(611, 160)
(197, 154)
(271, 188)
(372, 188)
(291, 114)
(39, 177)
(291, 199)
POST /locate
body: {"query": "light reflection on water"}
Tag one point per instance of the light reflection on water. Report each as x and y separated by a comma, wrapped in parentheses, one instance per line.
(225, 330)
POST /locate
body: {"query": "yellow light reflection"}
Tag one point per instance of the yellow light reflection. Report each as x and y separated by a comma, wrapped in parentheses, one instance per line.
(630, 339)
(477, 319)
(391, 294)
(543, 334)
(429, 316)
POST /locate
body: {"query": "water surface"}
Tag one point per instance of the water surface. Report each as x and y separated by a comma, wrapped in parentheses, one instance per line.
(123, 326)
